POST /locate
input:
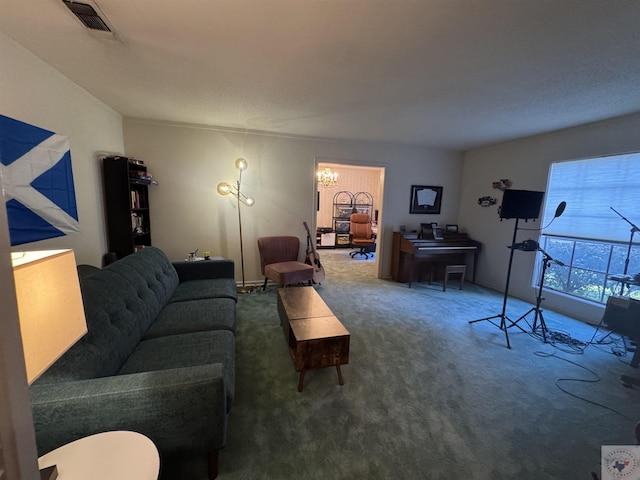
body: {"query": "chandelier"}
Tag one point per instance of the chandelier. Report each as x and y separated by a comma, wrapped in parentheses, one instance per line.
(327, 179)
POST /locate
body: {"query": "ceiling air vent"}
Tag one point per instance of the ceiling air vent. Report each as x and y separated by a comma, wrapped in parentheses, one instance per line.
(87, 15)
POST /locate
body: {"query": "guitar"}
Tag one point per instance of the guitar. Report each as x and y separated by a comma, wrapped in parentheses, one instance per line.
(313, 258)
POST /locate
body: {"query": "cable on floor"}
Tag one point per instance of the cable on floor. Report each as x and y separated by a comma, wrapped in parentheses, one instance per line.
(596, 378)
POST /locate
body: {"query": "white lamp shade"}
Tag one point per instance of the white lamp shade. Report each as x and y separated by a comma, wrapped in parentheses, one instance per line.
(50, 306)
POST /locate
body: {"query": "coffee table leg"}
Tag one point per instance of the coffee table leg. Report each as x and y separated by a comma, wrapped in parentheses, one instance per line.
(301, 381)
(340, 381)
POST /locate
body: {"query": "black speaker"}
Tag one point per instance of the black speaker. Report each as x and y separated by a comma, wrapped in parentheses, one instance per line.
(524, 204)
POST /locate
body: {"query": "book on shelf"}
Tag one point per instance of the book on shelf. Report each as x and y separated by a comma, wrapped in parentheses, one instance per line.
(142, 179)
(137, 223)
(139, 173)
(136, 200)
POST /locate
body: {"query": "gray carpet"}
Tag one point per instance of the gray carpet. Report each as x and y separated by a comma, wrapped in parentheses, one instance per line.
(426, 394)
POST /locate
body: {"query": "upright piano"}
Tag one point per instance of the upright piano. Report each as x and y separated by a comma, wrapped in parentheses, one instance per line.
(411, 253)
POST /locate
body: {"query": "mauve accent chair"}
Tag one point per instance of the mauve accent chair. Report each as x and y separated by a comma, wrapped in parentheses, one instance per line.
(279, 261)
(361, 234)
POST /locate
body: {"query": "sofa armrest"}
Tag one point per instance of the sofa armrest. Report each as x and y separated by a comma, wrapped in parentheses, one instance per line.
(204, 269)
(178, 409)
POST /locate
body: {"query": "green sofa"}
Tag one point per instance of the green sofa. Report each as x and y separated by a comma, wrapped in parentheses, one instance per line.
(158, 358)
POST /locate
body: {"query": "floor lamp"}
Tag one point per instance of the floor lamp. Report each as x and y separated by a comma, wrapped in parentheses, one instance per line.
(225, 188)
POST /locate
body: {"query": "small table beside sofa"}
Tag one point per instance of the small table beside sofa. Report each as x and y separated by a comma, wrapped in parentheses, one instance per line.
(105, 456)
(158, 357)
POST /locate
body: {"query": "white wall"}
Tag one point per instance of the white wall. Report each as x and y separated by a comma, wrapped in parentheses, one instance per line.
(526, 162)
(33, 92)
(189, 161)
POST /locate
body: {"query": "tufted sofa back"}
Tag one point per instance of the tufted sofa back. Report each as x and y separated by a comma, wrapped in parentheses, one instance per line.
(120, 303)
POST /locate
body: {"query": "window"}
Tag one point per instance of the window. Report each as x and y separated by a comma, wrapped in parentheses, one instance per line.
(596, 234)
(587, 268)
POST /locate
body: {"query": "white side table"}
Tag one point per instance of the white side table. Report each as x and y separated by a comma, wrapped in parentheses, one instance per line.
(117, 455)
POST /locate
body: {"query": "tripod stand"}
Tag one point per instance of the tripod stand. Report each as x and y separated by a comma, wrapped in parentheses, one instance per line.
(543, 326)
(502, 315)
(634, 229)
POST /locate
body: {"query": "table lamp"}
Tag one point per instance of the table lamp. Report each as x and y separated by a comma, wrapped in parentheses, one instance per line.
(50, 310)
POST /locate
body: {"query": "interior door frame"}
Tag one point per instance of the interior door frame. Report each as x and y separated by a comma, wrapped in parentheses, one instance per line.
(354, 164)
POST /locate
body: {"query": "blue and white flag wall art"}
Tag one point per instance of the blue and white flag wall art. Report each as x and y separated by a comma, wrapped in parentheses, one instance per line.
(37, 182)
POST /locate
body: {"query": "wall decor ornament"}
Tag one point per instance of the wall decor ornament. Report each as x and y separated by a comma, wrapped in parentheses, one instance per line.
(487, 201)
(502, 184)
(425, 199)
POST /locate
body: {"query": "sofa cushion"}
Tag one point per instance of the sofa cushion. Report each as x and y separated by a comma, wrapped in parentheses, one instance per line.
(194, 316)
(120, 303)
(186, 350)
(209, 288)
(152, 271)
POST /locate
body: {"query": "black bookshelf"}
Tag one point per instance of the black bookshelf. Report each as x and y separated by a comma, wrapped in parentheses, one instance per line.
(126, 186)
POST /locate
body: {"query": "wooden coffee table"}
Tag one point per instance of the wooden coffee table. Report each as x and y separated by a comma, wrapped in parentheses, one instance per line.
(315, 336)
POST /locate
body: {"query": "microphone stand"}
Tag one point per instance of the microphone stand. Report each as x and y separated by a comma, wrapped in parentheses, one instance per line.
(546, 260)
(502, 315)
(634, 229)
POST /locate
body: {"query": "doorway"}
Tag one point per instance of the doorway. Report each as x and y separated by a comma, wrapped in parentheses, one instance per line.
(352, 179)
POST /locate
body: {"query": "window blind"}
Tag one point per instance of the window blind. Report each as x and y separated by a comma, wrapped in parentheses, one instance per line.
(591, 189)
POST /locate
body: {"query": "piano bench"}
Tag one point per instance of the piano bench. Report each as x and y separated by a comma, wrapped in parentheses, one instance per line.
(453, 269)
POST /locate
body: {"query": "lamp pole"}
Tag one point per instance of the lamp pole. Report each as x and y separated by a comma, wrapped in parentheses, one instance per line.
(225, 189)
(243, 288)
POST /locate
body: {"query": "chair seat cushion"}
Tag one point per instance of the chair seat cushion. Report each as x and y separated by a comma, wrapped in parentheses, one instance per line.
(363, 242)
(288, 273)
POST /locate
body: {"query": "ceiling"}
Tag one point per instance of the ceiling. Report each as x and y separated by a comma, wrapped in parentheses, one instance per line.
(444, 73)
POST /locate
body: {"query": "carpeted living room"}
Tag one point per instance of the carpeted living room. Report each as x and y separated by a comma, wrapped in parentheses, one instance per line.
(425, 394)
(150, 147)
